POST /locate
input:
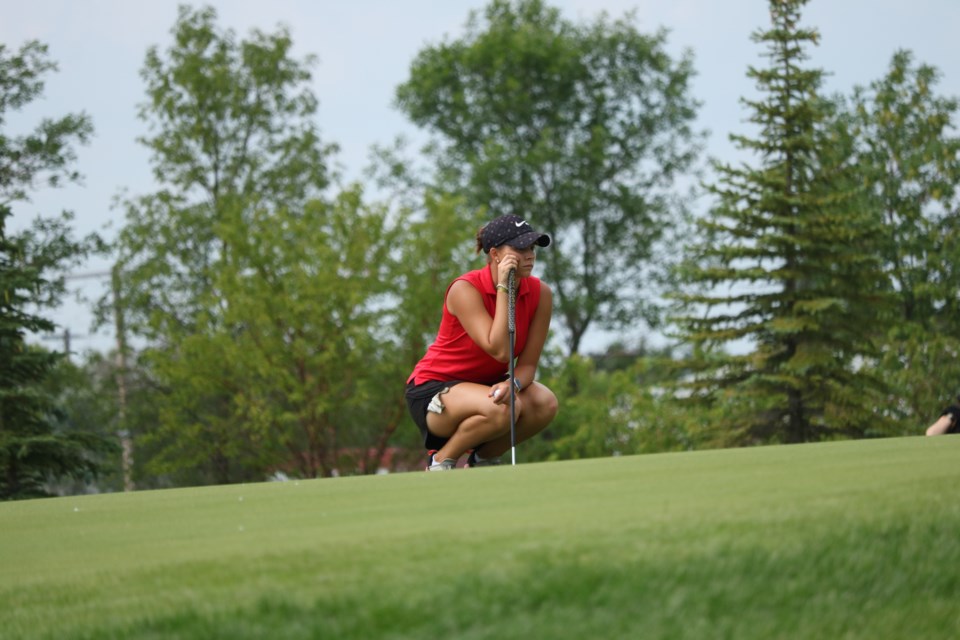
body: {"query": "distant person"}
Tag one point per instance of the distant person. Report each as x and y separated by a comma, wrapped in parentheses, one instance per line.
(459, 392)
(948, 422)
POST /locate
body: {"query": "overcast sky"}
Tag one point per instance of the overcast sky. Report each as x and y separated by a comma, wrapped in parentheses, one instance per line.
(365, 48)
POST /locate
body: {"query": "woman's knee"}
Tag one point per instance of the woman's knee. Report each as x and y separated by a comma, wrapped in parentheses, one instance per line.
(493, 420)
(544, 404)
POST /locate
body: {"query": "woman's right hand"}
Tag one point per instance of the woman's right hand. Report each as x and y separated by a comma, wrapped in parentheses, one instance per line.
(500, 392)
(507, 262)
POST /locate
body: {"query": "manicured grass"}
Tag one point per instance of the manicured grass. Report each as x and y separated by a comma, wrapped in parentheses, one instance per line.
(837, 540)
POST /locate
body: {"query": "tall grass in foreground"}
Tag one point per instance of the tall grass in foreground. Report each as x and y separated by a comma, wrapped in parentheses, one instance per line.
(839, 540)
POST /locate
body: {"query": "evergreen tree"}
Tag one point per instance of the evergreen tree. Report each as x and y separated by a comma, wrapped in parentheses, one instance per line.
(33, 450)
(786, 264)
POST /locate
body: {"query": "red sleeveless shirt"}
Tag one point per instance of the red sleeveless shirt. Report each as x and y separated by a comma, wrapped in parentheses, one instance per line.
(455, 356)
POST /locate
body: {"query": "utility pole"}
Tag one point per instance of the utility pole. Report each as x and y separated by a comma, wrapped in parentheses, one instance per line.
(126, 441)
(65, 336)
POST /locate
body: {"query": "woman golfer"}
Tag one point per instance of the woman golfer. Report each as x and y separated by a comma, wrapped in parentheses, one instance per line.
(459, 392)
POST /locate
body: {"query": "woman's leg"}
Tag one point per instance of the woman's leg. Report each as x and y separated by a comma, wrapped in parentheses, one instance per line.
(469, 418)
(539, 409)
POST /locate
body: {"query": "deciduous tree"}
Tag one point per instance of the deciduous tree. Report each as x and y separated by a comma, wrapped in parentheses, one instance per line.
(249, 287)
(583, 128)
(909, 154)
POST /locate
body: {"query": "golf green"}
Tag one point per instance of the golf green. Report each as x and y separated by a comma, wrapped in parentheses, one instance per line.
(855, 539)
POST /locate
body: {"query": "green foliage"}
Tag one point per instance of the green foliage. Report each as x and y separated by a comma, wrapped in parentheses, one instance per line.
(35, 449)
(248, 287)
(788, 261)
(86, 395)
(911, 161)
(276, 317)
(300, 375)
(583, 129)
(921, 368)
(46, 154)
(233, 133)
(616, 411)
(910, 157)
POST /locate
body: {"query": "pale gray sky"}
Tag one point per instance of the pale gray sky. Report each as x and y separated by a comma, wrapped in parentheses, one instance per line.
(365, 48)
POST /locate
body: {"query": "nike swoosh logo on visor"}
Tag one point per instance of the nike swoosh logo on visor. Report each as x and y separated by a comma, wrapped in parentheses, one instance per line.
(520, 224)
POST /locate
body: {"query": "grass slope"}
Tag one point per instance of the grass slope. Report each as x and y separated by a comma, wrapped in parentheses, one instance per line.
(836, 540)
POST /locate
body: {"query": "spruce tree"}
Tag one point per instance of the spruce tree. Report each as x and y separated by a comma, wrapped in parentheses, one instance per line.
(33, 450)
(785, 264)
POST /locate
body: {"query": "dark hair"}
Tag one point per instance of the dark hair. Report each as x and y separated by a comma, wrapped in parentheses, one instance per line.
(480, 239)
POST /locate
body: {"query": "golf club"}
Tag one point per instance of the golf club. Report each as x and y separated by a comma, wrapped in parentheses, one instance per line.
(511, 330)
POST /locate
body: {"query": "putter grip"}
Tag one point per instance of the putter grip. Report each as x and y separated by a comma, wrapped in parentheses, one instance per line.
(511, 301)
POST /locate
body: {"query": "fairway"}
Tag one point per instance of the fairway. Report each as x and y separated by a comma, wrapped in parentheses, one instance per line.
(833, 540)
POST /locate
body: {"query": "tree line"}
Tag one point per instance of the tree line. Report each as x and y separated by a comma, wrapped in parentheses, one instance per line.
(276, 309)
